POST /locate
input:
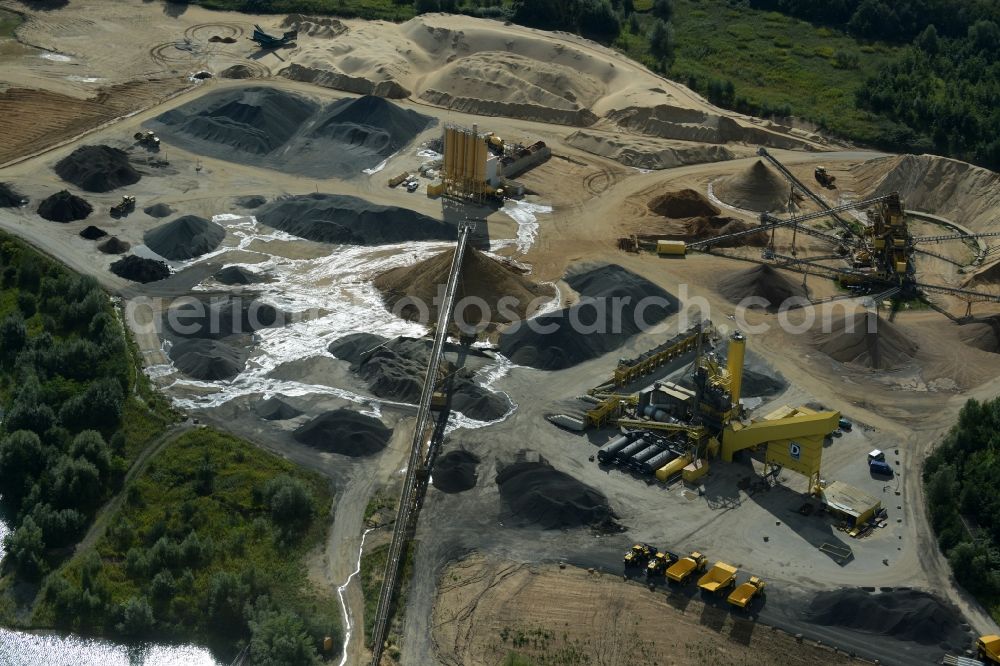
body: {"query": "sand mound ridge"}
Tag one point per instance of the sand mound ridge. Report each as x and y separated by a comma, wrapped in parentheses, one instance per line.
(158, 210)
(208, 360)
(757, 188)
(276, 409)
(114, 245)
(93, 233)
(758, 282)
(342, 219)
(97, 169)
(64, 207)
(866, 340)
(455, 471)
(285, 131)
(590, 328)
(537, 494)
(682, 204)
(483, 278)
(983, 334)
(186, 237)
(314, 26)
(647, 152)
(345, 432)
(139, 269)
(11, 198)
(238, 275)
(908, 615)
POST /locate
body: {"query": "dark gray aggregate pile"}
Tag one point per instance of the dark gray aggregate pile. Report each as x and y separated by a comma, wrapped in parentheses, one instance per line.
(276, 409)
(251, 202)
(288, 132)
(93, 233)
(186, 237)
(64, 207)
(11, 198)
(537, 494)
(208, 360)
(217, 318)
(115, 245)
(158, 210)
(97, 169)
(345, 432)
(140, 269)
(590, 328)
(455, 471)
(238, 275)
(342, 219)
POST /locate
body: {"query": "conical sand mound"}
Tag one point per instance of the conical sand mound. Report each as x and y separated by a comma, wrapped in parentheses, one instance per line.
(758, 188)
(681, 204)
(761, 282)
(984, 334)
(863, 339)
(483, 280)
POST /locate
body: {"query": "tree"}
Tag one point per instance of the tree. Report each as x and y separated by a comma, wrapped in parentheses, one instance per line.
(661, 39)
(13, 336)
(279, 638)
(291, 506)
(985, 36)
(97, 408)
(136, 617)
(598, 20)
(226, 598)
(76, 483)
(928, 41)
(90, 446)
(874, 19)
(26, 550)
(22, 460)
(426, 6)
(663, 9)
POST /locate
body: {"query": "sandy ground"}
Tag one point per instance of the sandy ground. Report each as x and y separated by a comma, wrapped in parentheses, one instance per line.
(488, 608)
(596, 196)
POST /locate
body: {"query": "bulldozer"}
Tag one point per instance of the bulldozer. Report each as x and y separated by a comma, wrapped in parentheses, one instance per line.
(148, 139)
(824, 178)
(123, 207)
(638, 555)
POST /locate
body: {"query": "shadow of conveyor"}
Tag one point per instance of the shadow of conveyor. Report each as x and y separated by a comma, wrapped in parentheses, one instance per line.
(454, 212)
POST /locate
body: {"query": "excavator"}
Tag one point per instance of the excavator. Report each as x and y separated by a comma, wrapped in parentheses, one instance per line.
(148, 139)
(824, 178)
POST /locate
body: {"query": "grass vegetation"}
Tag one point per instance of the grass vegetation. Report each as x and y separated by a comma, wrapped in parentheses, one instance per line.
(963, 500)
(373, 573)
(209, 545)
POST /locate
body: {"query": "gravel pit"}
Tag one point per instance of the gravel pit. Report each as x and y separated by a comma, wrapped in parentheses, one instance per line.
(186, 237)
(208, 360)
(115, 245)
(536, 494)
(345, 432)
(140, 269)
(238, 275)
(761, 282)
(64, 207)
(758, 188)
(97, 169)
(158, 210)
(455, 471)
(341, 219)
(276, 409)
(865, 340)
(93, 233)
(591, 328)
(11, 198)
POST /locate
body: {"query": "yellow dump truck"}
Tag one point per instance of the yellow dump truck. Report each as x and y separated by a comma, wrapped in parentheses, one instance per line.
(989, 649)
(682, 569)
(744, 594)
(719, 578)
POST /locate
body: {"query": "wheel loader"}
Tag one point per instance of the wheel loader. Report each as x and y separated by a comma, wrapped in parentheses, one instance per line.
(123, 207)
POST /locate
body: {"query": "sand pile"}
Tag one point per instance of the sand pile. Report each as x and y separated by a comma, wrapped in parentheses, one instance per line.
(281, 130)
(158, 210)
(758, 188)
(216, 318)
(764, 282)
(11, 198)
(701, 228)
(483, 278)
(394, 370)
(276, 409)
(318, 71)
(345, 432)
(208, 360)
(97, 168)
(983, 334)
(115, 245)
(139, 269)
(93, 233)
(592, 327)
(866, 340)
(908, 615)
(238, 72)
(64, 207)
(186, 237)
(967, 194)
(647, 152)
(682, 204)
(335, 218)
(455, 471)
(537, 494)
(238, 275)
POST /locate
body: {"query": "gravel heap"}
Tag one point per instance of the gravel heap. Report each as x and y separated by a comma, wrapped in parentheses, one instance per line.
(64, 207)
(93, 233)
(139, 269)
(251, 201)
(700, 228)
(97, 169)
(276, 409)
(220, 318)
(345, 432)
(208, 360)
(983, 334)
(682, 204)
(537, 494)
(455, 471)
(11, 198)
(158, 210)
(238, 72)
(758, 188)
(886, 348)
(115, 245)
(761, 281)
(186, 237)
(238, 275)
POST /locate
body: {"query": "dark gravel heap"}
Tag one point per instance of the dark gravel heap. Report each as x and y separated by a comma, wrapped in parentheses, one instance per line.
(139, 269)
(97, 169)
(93, 233)
(237, 275)
(345, 432)
(539, 495)
(11, 198)
(186, 237)
(455, 471)
(208, 360)
(276, 409)
(251, 202)
(158, 210)
(64, 207)
(217, 318)
(115, 245)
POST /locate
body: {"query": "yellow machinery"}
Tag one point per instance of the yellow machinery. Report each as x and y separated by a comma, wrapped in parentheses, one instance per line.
(675, 248)
(744, 594)
(734, 364)
(682, 569)
(718, 579)
(989, 648)
(638, 555)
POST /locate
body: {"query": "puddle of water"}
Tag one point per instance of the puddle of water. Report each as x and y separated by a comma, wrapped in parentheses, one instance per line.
(56, 57)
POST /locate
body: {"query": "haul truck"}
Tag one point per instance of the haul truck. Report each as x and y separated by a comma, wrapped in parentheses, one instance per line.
(744, 594)
(989, 649)
(682, 569)
(719, 578)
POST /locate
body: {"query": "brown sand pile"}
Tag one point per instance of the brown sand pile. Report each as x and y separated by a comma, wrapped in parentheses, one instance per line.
(758, 188)
(864, 339)
(983, 334)
(681, 204)
(114, 245)
(238, 72)
(758, 282)
(483, 277)
(700, 228)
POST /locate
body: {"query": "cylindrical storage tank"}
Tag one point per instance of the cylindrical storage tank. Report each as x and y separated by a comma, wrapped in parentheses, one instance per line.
(661, 416)
(632, 449)
(673, 467)
(658, 461)
(450, 145)
(734, 364)
(647, 453)
(609, 450)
